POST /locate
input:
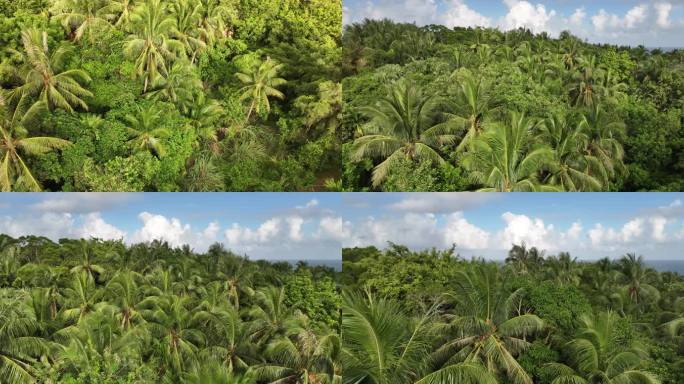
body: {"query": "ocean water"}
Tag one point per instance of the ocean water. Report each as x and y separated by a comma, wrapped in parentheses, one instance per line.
(667, 265)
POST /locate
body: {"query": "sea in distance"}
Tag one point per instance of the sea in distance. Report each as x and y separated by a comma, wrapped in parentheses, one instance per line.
(666, 265)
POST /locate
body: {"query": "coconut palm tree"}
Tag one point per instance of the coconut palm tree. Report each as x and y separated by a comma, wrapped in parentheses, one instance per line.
(525, 260)
(489, 327)
(636, 276)
(14, 145)
(302, 359)
(150, 43)
(570, 164)
(86, 251)
(18, 343)
(585, 82)
(215, 373)
(504, 160)
(179, 85)
(83, 17)
(91, 343)
(81, 298)
(122, 10)
(45, 80)
(604, 151)
(273, 318)
(188, 14)
(124, 291)
(175, 322)
(146, 130)
(229, 341)
(597, 358)
(216, 17)
(563, 268)
(475, 101)
(260, 82)
(381, 344)
(402, 126)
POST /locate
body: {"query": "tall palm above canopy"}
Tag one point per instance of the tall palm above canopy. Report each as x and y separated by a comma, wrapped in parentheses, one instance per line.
(505, 159)
(525, 259)
(44, 77)
(563, 268)
(150, 43)
(402, 127)
(489, 328)
(570, 164)
(83, 17)
(598, 357)
(15, 174)
(475, 101)
(260, 82)
(636, 278)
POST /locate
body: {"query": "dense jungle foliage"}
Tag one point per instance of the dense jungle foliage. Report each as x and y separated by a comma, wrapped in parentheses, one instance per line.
(437, 109)
(102, 312)
(178, 95)
(433, 317)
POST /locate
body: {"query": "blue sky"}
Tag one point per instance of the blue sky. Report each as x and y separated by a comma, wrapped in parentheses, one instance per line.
(262, 225)
(658, 23)
(589, 225)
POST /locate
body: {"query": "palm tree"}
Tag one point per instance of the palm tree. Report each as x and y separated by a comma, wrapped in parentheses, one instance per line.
(179, 85)
(175, 323)
(475, 102)
(402, 127)
(86, 250)
(272, 316)
(569, 166)
(598, 358)
(81, 17)
(215, 14)
(44, 77)
(381, 344)
(92, 343)
(188, 14)
(215, 373)
(150, 43)
(261, 82)
(563, 268)
(15, 143)
(123, 10)
(525, 260)
(82, 297)
(604, 152)
(147, 131)
(489, 328)
(18, 345)
(230, 339)
(635, 276)
(124, 291)
(302, 359)
(586, 82)
(503, 159)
